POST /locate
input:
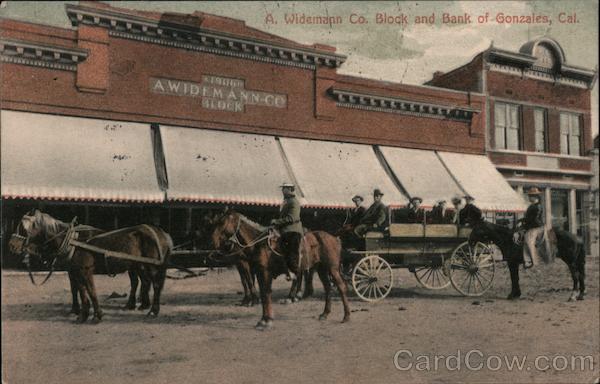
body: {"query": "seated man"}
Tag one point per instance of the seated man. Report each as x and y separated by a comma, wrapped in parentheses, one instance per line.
(457, 204)
(533, 223)
(439, 214)
(374, 218)
(470, 215)
(412, 213)
(353, 219)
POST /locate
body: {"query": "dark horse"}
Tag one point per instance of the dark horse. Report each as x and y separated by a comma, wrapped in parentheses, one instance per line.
(567, 247)
(249, 241)
(143, 248)
(39, 234)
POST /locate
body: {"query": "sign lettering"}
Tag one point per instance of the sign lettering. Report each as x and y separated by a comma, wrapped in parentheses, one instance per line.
(219, 93)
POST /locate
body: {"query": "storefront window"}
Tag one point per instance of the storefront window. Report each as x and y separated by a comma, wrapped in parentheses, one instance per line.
(560, 208)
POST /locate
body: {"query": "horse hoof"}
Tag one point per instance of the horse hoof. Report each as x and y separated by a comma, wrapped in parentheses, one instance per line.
(346, 319)
(295, 299)
(285, 301)
(580, 297)
(323, 317)
(513, 296)
(264, 324)
(152, 314)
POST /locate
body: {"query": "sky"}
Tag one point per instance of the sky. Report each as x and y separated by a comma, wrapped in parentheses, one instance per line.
(407, 53)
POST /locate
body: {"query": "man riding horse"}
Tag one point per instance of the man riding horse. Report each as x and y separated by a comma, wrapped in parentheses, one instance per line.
(533, 224)
(290, 226)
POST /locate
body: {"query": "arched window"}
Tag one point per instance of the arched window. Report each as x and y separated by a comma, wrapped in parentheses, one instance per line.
(546, 58)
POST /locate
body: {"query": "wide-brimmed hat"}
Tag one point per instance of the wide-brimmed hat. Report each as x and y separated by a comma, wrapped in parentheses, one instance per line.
(469, 197)
(357, 197)
(456, 199)
(287, 185)
(377, 192)
(441, 202)
(534, 191)
(415, 198)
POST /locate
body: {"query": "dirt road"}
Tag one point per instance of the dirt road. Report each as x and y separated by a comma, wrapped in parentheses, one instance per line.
(202, 336)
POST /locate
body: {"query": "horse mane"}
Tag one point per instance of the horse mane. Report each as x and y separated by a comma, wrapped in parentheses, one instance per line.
(253, 224)
(49, 224)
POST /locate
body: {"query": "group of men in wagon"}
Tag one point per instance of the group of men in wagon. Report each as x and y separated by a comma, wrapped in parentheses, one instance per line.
(375, 218)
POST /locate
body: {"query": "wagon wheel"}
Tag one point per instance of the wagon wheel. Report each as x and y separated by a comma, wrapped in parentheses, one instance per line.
(433, 276)
(472, 269)
(372, 278)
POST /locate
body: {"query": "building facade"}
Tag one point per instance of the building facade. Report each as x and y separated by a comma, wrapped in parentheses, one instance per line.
(134, 116)
(538, 124)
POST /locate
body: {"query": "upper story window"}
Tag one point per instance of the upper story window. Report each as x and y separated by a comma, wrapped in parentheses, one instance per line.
(507, 123)
(539, 118)
(570, 134)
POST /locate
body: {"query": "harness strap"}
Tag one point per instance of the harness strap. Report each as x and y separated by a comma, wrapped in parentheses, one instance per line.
(115, 254)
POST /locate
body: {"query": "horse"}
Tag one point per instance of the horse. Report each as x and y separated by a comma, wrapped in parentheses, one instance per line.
(143, 248)
(252, 242)
(567, 247)
(39, 234)
(247, 275)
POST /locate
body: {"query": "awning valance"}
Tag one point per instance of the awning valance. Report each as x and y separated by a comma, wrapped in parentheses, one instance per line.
(422, 174)
(70, 158)
(215, 166)
(478, 177)
(330, 173)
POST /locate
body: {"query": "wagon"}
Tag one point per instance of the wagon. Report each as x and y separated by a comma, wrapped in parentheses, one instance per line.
(438, 255)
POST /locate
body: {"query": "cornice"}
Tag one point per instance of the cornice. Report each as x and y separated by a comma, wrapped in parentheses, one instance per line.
(359, 100)
(127, 26)
(41, 55)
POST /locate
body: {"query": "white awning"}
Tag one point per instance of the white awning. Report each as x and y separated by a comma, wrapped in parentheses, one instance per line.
(478, 177)
(70, 158)
(215, 166)
(330, 173)
(422, 174)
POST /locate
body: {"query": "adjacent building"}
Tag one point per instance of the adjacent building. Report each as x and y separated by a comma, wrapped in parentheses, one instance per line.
(538, 123)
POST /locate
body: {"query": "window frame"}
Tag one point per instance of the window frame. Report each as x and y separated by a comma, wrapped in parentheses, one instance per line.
(570, 117)
(508, 107)
(544, 130)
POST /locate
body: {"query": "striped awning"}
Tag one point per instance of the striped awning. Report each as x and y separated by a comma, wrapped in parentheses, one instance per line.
(421, 173)
(71, 158)
(479, 178)
(214, 166)
(330, 173)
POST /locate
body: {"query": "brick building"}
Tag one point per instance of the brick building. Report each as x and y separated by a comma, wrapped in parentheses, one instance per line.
(538, 123)
(137, 116)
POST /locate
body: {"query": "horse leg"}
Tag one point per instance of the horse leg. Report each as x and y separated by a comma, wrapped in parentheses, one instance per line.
(515, 292)
(339, 282)
(158, 282)
(85, 304)
(264, 284)
(308, 285)
(145, 289)
(581, 270)
(294, 294)
(575, 278)
(246, 298)
(73, 283)
(133, 280)
(91, 288)
(324, 276)
(252, 285)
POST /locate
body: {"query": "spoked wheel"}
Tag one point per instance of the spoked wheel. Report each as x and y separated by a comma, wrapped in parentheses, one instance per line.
(372, 278)
(433, 276)
(472, 269)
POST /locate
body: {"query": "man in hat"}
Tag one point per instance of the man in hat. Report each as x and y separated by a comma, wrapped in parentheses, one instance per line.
(533, 224)
(290, 226)
(470, 214)
(353, 219)
(412, 213)
(374, 218)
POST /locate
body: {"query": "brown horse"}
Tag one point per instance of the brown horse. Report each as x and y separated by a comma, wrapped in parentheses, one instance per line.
(148, 244)
(40, 235)
(237, 234)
